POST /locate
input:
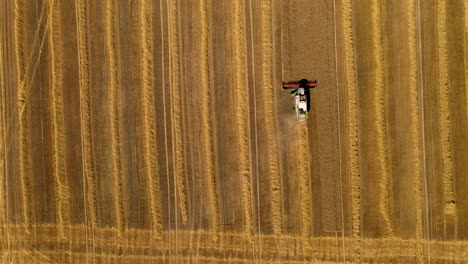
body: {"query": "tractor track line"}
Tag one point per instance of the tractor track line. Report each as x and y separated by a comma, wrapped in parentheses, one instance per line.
(421, 100)
(255, 204)
(150, 150)
(89, 177)
(113, 45)
(207, 125)
(58, 120)
(241, 114)
(415, 117)
(353, 123)
(305, 185)
(164, 84)
(444, 112)
(176, 103)
(270, 116)
(340, 141)
(385, 195)
(24, 119)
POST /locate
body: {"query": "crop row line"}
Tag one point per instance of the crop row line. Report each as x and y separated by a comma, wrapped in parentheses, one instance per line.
(24, 119)
(176, 103)
(89, 178)
(385, 195)
(270, 116)
(57, 109)
(241, 113)
(207, 124)
(415, 117)
(150, 150)
(444, 111)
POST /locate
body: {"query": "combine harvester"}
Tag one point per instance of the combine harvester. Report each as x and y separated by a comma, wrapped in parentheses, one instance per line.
(301, 93)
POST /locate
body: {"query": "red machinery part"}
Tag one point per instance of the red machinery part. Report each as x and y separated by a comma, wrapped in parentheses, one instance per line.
(290, 84)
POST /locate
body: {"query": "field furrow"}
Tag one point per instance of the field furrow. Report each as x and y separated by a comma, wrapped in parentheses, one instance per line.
(19, 39)
(241, 114)
(385, 194)
(270, 117)
(23, 116)
(351, 88)
(305, 185)
(89, 178)
(176, 105)
(57, 110)
(112, 42)
(150, 145)
(3, 155)
(415, 123)
(444, 111)
(207, 124)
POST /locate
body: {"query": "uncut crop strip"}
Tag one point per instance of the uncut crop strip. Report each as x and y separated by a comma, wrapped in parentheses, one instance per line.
(444, 114)
(415, 117)
(85, 111)
(352, 111)
(241, 112)
(385, 197)
(112, 42)
(150, 150)
(24, 118)
(207, 124)
(304, 185)
(270, 117)
(58, 132)
(176, 103)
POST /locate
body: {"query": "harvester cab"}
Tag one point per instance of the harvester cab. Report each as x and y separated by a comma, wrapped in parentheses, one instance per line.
(301, 93)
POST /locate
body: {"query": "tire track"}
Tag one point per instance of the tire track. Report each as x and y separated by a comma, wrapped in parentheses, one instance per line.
(58, 124)
(352, 92)
(385, 196)
(112, 42)
(150, 151)
(176, 103)
(241, 115)
(270, 116)
(304, 185)
(85, 105)
(415, 117)
(208, 132)
(24, 118)
(444, 111)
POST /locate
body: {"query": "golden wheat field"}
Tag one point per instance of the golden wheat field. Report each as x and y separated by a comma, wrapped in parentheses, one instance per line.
(156, 131)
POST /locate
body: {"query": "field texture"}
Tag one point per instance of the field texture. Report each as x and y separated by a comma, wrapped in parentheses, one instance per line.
(151, 131)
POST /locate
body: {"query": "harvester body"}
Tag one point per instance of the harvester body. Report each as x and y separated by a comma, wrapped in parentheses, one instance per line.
(300, 92)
